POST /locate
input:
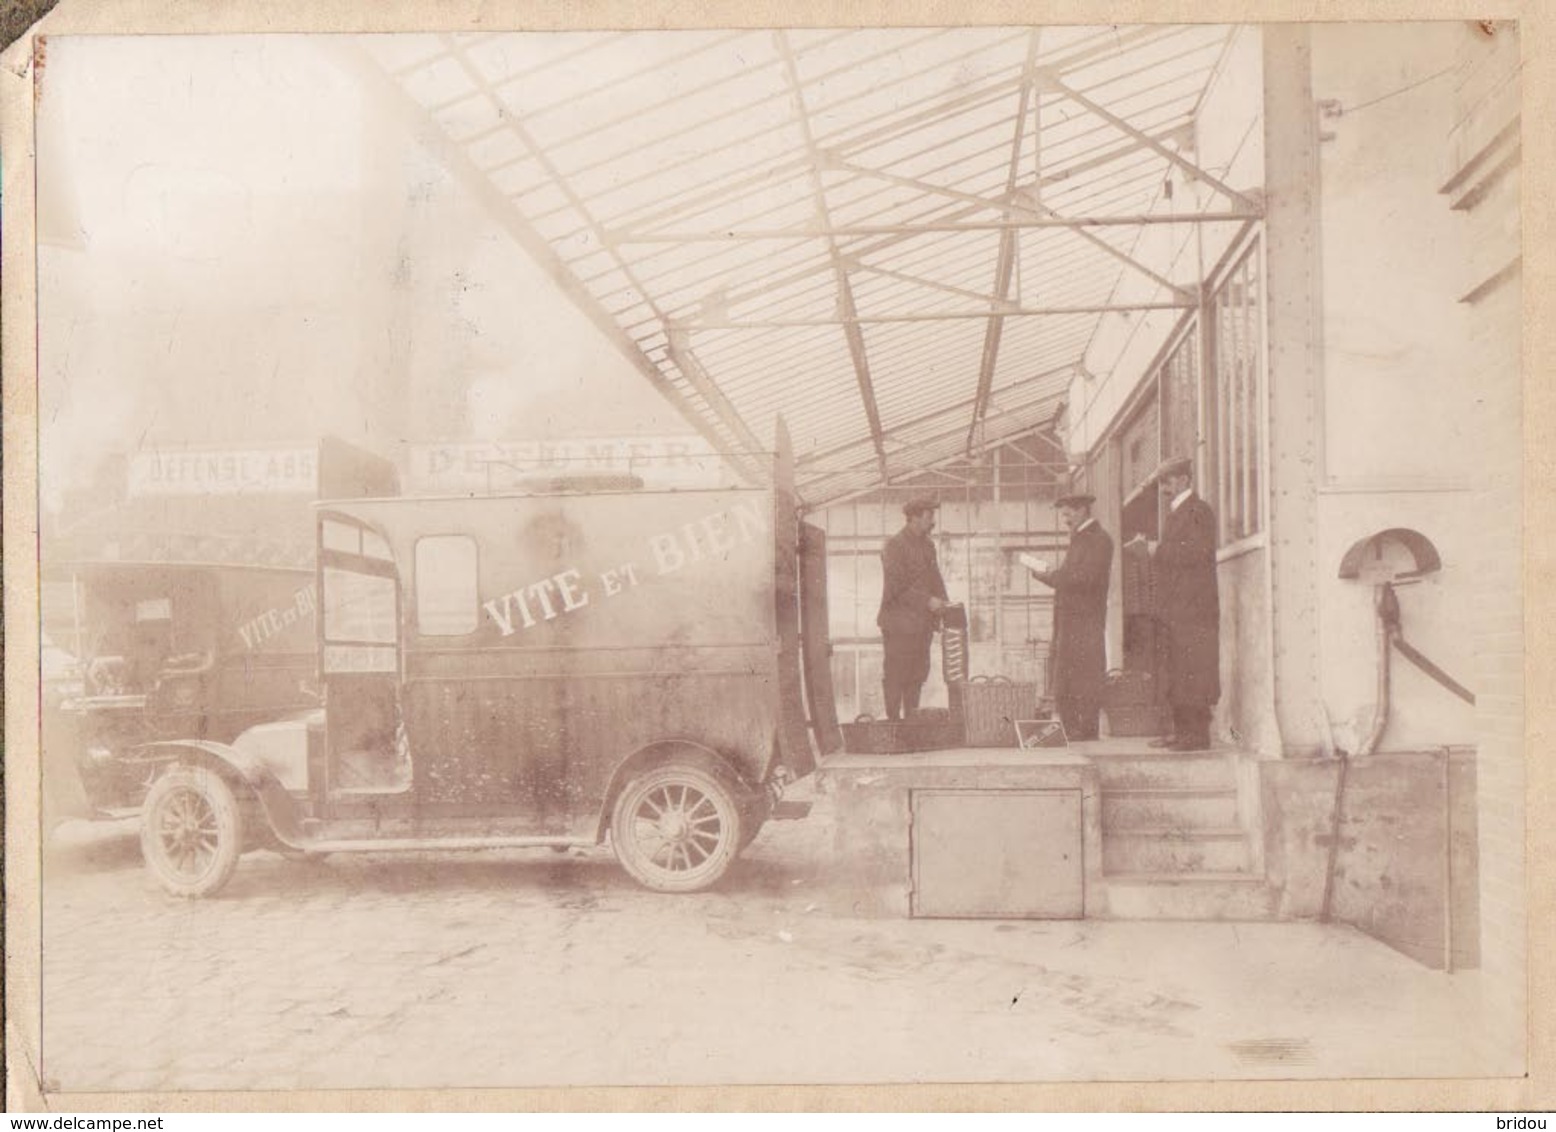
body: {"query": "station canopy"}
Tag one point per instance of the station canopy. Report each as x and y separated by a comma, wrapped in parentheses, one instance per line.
(900, 241)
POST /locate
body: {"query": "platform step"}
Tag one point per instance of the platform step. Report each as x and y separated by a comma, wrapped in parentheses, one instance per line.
(1169, 806)
(1174, 851)
(1166, 770)
(1201, 896)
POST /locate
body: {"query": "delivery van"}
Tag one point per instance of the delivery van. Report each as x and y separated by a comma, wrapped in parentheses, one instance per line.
(547, 669)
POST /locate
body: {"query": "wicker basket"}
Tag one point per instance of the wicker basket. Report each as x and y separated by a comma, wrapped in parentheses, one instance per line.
(990, 706)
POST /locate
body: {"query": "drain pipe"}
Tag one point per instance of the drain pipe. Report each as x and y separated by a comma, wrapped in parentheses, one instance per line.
(1387, 607)
(1388, 628)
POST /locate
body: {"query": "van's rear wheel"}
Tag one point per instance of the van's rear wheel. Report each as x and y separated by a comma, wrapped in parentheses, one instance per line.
(191, 832)
(676, 828)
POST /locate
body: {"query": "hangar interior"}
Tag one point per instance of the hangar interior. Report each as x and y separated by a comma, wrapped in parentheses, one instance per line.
(916, 247)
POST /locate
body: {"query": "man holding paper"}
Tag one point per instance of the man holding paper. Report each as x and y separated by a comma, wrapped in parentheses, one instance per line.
(1080, 586)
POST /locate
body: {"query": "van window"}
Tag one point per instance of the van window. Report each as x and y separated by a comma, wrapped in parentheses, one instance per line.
(374, 546)
(342, 537)
(358, 607)
(447, 593)
(347, 538)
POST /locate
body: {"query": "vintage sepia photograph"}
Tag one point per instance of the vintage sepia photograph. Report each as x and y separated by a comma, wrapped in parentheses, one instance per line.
(767, 555)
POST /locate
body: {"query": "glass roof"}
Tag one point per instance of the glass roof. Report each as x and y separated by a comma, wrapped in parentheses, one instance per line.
(900, 241)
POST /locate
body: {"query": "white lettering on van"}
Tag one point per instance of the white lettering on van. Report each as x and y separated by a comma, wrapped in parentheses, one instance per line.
(690, 531)
(502, 615)
(535, 602)
(667, 552)
(713, 536)
(720, 541)
(262, 627)
(749, 519)
(572, 597)
(621, 578)
(540, 590)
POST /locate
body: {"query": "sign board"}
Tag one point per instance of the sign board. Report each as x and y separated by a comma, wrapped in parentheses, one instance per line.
(483, 467)
(230, 471)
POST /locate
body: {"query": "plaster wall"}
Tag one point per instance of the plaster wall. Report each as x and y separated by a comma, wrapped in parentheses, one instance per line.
(1405, 870)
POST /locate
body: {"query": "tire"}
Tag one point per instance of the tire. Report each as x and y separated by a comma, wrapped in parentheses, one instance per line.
(676, 828)
(191, 832)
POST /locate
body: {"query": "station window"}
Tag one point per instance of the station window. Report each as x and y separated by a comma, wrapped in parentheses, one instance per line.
(1180, 397)
(1239, 399)
(448, 599)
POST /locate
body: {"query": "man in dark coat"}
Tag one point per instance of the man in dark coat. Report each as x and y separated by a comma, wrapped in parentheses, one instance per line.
(1188, 606)
(911, 594)
(1080, 587)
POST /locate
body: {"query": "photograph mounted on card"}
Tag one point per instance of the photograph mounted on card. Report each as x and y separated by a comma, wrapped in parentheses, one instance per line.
(493, 436)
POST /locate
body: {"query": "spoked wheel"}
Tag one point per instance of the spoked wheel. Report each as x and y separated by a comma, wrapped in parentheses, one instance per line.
(676, 828)
(191, 831)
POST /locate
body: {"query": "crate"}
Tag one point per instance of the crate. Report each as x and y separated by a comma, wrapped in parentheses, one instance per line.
(989, 708)
(926, 732)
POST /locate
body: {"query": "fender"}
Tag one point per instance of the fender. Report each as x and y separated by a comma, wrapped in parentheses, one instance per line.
(281, 811)
(665, 750)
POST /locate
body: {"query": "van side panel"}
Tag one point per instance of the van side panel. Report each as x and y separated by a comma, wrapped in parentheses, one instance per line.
(548, 638)
(546, 746)
(816, 642)
(585, 572)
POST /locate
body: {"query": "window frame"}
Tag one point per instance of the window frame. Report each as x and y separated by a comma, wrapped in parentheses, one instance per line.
(474, 615)
(1237, 403)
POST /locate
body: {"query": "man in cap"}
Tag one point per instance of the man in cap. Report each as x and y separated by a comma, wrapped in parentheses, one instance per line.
(1187, 605)
(1080, 586)
(911, 594)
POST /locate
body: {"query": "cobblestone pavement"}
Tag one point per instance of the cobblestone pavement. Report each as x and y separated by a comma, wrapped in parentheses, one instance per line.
(513, 969)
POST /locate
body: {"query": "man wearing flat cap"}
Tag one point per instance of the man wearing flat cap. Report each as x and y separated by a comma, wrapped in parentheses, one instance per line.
(1080, 586)
(913, 592)
(1187, 606)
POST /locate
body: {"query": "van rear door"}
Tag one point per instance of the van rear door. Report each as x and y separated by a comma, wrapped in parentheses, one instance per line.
(359, 663)
(816, 647)
(804, 674)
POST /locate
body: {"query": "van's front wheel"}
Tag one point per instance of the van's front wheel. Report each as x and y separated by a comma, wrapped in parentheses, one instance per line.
(676, 828)
(191, 831)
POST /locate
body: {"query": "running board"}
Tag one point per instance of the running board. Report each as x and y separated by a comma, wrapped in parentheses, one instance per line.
(422, 844)
(789, 811)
